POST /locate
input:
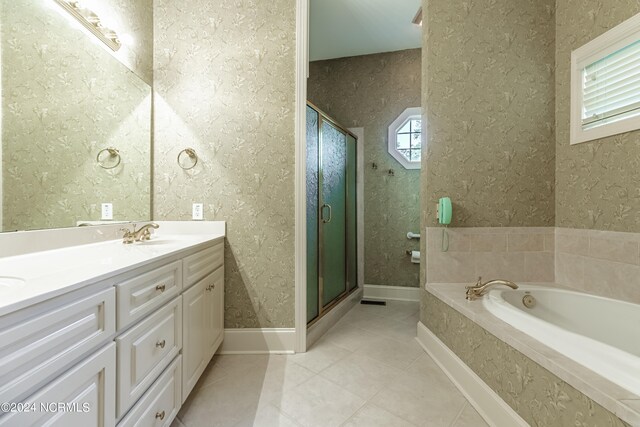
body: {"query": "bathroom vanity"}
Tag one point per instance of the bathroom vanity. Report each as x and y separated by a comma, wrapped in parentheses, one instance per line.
(108, 334)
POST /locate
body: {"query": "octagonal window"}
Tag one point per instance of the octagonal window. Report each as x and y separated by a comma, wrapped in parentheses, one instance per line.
(405, 138)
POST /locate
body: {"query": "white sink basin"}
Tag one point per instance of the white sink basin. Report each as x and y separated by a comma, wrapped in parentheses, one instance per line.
(10, 282)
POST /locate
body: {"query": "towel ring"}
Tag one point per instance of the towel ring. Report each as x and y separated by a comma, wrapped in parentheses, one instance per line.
(192, 155)
(113, 152)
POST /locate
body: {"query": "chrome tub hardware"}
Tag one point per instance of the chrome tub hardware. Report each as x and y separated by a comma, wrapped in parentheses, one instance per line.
(479, 289)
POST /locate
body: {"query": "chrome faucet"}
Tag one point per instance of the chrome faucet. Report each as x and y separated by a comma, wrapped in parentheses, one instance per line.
(144, 233)
(479, 289)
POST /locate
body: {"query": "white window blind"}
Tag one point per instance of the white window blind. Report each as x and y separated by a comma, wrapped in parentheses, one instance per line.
(611, 87)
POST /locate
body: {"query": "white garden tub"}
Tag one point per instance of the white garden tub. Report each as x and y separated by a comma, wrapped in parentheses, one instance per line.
(600, 333)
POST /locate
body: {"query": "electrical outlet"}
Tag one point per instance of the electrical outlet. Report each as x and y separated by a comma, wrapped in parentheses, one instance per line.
(107, 211)
(198, 213)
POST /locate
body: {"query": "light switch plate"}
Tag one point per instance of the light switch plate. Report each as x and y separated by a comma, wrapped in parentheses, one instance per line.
(198, 213)
(107, 211)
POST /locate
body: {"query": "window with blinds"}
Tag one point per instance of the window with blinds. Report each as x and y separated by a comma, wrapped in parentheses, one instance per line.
(605, 84)
(611, 90)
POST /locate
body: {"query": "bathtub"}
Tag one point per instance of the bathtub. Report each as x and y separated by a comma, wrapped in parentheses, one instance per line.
(601, 334)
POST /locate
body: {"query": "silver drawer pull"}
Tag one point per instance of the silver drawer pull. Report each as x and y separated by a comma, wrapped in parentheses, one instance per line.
(161, 288)
(161, 344)
(160, 415)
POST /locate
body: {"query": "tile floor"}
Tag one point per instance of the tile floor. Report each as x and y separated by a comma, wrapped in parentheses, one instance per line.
(368, 370)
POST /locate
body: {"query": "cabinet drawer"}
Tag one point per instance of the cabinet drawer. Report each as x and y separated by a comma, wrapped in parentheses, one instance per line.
(200, 264)
(141, 295)
(160, 404)
(145, 350)
(87, 392)
(45, 340)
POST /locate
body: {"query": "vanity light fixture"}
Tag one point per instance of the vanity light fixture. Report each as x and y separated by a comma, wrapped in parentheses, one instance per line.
(91, 22)
(418, 18)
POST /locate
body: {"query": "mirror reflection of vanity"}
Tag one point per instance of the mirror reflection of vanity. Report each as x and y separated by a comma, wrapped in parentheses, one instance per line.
(76, 114)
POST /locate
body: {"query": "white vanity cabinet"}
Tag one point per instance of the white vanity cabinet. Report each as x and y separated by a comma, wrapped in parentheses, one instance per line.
(203, 306)
(126, 350)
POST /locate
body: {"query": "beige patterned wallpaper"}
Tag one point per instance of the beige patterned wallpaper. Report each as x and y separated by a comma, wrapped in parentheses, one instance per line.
(489, 91)
(64, 98)
(597, 181)
(370, 91)
(537, 395)
(224, 79)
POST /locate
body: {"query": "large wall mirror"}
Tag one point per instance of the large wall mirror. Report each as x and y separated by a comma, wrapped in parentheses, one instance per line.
(76, 112)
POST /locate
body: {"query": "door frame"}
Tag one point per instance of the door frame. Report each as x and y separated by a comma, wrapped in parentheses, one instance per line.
(302, 72)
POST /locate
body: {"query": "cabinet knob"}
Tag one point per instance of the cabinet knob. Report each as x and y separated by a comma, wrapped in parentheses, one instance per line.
(161, 288)
(211, 287)
(160, 415)
(161, 344)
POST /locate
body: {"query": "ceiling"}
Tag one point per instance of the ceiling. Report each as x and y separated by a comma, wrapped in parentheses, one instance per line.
(340, 28)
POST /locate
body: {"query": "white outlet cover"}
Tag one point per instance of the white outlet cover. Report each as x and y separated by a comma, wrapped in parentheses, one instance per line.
(107, 211)
(198, 211)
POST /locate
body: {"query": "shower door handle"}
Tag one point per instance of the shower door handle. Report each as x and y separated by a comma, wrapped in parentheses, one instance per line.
(325, 220)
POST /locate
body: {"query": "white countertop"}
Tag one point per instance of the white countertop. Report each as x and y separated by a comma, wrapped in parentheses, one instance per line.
(47, 274)
(621, 402)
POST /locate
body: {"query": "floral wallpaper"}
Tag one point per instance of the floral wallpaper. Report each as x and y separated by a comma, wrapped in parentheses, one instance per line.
(489, 94)
(537, 395)
(370, 91)
(597, 181)
(224, 76)
(64, 98)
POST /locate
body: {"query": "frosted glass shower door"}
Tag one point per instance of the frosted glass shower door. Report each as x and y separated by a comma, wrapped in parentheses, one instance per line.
(333, 205)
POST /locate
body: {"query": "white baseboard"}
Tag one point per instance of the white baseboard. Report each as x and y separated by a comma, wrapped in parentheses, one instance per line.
(396, 293)
(258, 341)
(318, 329)
(494, 410)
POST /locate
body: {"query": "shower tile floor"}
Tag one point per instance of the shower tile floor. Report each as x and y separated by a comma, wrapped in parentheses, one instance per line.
(368, 370)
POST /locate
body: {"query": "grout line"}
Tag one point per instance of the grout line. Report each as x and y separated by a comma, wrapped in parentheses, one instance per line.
(464, 405)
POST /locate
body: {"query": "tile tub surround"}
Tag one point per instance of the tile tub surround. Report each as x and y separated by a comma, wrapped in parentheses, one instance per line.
(541, 385)
(605, 263)
(520, 254)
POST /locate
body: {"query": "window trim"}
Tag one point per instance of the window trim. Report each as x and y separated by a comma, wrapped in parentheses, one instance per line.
(393, 130)
(613, 40)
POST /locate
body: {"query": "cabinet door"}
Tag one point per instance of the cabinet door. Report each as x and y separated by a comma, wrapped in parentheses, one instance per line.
(84, 396)
(215, 312)
(195, 303)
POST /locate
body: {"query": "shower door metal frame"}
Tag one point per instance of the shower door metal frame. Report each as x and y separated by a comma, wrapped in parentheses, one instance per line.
(322, 310)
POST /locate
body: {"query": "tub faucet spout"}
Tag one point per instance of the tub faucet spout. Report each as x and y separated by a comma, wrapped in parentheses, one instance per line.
(479, 289)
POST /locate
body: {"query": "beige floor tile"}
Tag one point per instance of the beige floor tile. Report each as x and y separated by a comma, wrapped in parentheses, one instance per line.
(320, 356)
(373, 416)
(319, 402)
(421, 400)
(223, 403)
(360, 375)
(469, 417)
(267, 416)
(177, 423)
(391, 352)
(349, 337)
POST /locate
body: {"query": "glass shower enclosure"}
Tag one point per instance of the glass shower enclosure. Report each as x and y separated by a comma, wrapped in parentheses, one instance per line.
(331, 213)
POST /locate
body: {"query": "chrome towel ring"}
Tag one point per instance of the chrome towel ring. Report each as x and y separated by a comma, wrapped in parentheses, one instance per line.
(113, 153)
(191, 153)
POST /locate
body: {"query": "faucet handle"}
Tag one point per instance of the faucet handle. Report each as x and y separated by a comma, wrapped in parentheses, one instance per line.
(478, 283)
